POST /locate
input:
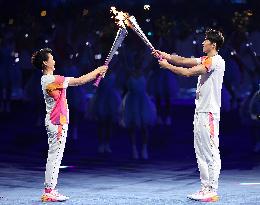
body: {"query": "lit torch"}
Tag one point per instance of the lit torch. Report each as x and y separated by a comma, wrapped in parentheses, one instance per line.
(130, 21)
(121, 34)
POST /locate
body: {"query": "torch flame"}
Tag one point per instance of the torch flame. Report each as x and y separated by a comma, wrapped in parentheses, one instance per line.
(121, 18)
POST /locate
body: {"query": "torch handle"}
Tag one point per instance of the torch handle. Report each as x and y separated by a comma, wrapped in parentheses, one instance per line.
(121, 33)
(97, 81)
(160, 57)
(136, 28)
(157, 56)
(99, 78)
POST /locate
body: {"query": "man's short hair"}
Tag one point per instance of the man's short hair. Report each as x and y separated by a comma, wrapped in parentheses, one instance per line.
(215, 36)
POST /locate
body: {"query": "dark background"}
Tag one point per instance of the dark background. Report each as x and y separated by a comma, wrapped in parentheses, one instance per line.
(81, 34)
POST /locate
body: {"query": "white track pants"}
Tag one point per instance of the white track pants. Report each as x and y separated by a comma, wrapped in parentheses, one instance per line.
(55, 153)
(206, 144)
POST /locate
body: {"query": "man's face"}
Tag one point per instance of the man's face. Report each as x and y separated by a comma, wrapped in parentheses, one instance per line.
(50, 63)
(208, 46)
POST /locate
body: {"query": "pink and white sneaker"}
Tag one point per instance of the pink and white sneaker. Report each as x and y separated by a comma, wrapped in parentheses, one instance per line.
(211, 196)
(53, 196)
(204, 195)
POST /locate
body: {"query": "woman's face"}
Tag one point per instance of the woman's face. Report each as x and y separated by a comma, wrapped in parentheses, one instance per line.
(50, 63)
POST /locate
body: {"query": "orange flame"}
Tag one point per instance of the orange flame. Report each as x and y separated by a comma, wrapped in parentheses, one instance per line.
(121, 18)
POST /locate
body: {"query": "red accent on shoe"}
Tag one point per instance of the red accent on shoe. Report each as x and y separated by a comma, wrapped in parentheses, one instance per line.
(47, 190)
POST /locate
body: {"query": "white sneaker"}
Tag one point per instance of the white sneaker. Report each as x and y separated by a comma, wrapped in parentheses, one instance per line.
(211, 196)
(53, 196)
(196, 196)
(204, 195)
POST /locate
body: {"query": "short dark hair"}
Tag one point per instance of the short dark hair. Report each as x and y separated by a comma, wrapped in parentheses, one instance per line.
(39, 56)
(215, 36)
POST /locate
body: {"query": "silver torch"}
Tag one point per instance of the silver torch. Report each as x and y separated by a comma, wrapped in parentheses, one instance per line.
(120, 36)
